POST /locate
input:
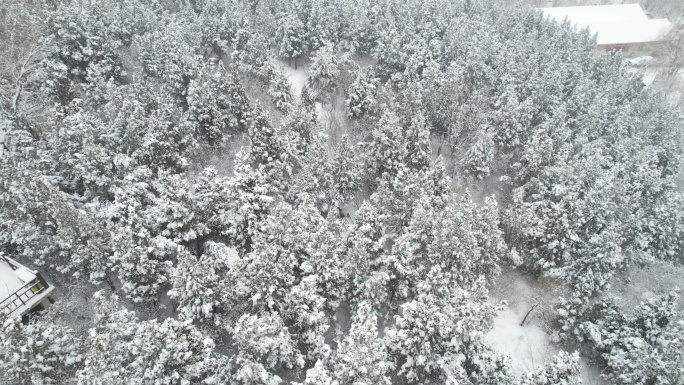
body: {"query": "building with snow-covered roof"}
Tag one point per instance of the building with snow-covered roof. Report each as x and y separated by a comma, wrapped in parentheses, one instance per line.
(623, 27)
(22, 289)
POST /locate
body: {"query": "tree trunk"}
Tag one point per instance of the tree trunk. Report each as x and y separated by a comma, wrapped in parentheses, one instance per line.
(17, 94)
(528, 313)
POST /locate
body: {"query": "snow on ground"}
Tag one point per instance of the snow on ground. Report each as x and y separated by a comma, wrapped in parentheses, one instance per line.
(349, 210)
(364, 60)
(4, 126)
(528, 346)
(222, 159)
(319, 109)
(650, 75)
(591, 375)
(332, 114)
(297, 77)
(638, 284)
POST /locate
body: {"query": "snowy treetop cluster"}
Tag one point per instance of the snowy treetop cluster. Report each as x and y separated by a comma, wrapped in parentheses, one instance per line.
(351, 231)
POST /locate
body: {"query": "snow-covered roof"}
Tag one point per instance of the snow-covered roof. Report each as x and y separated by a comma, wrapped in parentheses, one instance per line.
(9, 282)
(614, 24)
(17, 278)
(597, 13)
(631, 32)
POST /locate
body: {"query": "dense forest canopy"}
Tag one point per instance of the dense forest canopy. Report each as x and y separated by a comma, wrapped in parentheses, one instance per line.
(207, 221)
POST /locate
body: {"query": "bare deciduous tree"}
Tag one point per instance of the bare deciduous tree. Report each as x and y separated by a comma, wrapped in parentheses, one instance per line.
(23, 49)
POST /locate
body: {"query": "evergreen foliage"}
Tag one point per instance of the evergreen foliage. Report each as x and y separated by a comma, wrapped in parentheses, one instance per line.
(331, 241)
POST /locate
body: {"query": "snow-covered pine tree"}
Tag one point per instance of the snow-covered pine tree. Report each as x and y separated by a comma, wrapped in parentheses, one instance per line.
(361, 95)
(318, 375)
(198, 284)
(307, 101)
(251, 196)
(264, 346)
(239, 104)
(346, 170)
(139, 254)
(477, 161)
(361, 357)
(172, 213)
(280, 246)
(512, 119)
(301, 128)
(327, 263)
(50, 228)
(418, 143)
(209, 104)
(563, 369)
(304, 309)
(265, 143)
(219, 21)
(387, 151)
(421, 340)
(361, 21)
(211, 207)
(39, 352)
(121, 349)
(291, 37)
(636, 348)
(166, 53)
(88, 37)
(467, 242)
(252, 54)
(280, 90)
(323, 72)
(364, 250)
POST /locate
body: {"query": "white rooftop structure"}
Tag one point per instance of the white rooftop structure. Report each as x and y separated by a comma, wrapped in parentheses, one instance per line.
(21, 289)
(613, 24)
(9, 282)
